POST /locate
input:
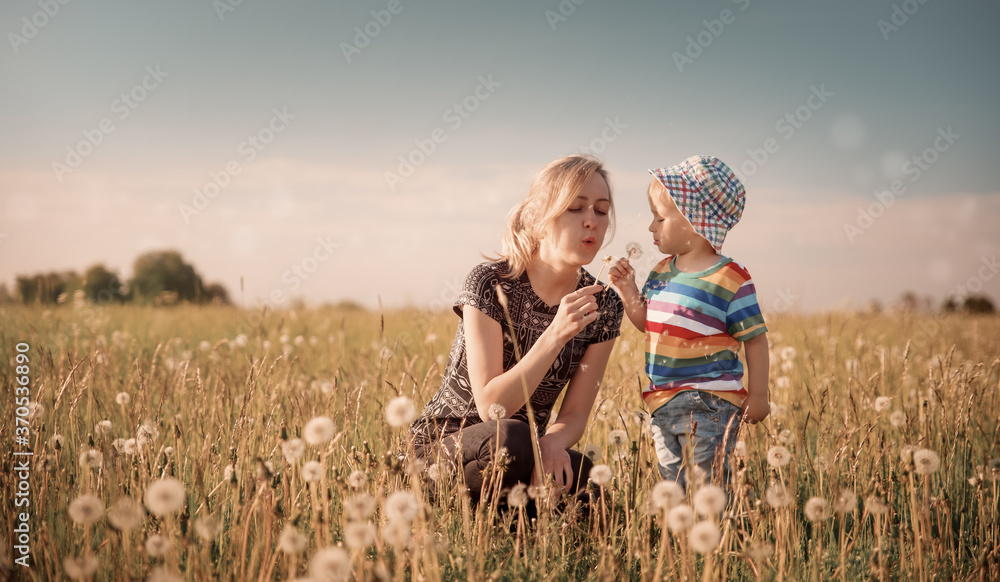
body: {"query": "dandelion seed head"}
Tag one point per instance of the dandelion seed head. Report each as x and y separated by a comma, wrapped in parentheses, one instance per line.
(169, 452)
(816, 509)
(35, 410)
(705, 537)
(126, 514)
(357, 479)
(633, 251)
(786, 436)
(740, 450)
(680, 518)
(778, 410)
(359, 536)
(592, 452)
(397, 534)
(103, 428)
(360, 507)
(906, 454)
(617, 438)
(497, 411)
(778, 456)
(898, 418)
(165, 496)
(882, 403)
(208, 527)
(313, 471)
(162, 574)
(292, 541)
(787, 353)
(56, 441)
(319, 430)
(640, 418)
(401, 506)
(86, 509)
(123, 398)
(600, 474)
(709, 500)
(146, 434)
(81, 567)
(91, 459)
(667, 494)
(821, 464)
(157, 545)
(759, 551)
(400, 411)
(241, 341)
(777, 495)
(783, 382)
(926, 461)
(292, 450)
(330, 564)
(846, 502)
(876, 506)
(518, 495)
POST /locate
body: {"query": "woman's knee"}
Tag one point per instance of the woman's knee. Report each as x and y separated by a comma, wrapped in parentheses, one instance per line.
(515, 436)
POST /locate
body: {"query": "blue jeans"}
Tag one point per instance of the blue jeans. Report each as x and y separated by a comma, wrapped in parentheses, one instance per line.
(701, 422)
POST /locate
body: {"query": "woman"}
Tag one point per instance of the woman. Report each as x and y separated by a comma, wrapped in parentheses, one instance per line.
(564, 324)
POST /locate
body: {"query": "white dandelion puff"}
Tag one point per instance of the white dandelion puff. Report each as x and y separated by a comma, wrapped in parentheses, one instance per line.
(357, 479)
(778, 456)
(165, 496)
(330, 564)
(846, 502)
(360, 507)
(667, 494)
(777, 495)
(401, 506)
(292, 450)
(740, 450)
(898, 418)
(816, 509)
(103, 428)
(359, 536)
(633, 251)
(313, 471)
(600, 474)
(760, 551)
(680, 518)
(123, 398)
(126, 514)
(497, 411)
(709, 500)
(157, 545)
(292, 541)
(592, 452)
(81, 567)
(400, 411)
(518, 496)
(617, 438)
(91, 459)
(787, 353)
(208, 527)
(786, 436)
(319, 430)
(882, 403)
(926, 461)
(821, 464)
(876, 506)
(86, 509)
(705, 537)
(397, 534)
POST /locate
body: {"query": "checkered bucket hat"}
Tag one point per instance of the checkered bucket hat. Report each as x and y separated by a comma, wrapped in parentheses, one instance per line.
(708, 193)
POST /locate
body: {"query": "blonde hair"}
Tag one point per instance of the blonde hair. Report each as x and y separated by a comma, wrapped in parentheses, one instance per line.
(552, 191)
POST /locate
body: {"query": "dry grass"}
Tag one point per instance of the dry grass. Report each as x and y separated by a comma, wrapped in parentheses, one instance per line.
(855, 395)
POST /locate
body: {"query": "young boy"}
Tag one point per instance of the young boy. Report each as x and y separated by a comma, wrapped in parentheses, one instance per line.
(696, 307)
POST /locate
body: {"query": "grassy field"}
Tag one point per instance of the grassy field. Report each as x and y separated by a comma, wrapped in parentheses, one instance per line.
(166, 446)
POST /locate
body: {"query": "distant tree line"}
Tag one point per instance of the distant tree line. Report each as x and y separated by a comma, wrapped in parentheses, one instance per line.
(159, 277)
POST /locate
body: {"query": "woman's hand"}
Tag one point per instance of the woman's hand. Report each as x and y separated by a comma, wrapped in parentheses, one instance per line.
(555, 462)
(576, 311)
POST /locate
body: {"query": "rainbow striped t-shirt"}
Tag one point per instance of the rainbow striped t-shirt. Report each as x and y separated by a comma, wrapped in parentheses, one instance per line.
(694, 324)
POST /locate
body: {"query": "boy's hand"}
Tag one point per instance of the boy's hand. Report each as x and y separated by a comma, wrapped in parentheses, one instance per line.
(755, 408)
(622, 272)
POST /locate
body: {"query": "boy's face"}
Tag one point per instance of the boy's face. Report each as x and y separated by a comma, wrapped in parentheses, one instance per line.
(672, 233)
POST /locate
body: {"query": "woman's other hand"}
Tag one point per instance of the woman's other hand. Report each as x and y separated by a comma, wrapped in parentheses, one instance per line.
(555, 462)
(577, 310)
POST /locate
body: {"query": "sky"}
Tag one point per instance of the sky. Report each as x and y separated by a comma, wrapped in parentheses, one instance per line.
(370, 151)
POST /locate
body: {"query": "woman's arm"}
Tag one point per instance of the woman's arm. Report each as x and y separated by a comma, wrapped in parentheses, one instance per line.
(574, 413)
(484, 351)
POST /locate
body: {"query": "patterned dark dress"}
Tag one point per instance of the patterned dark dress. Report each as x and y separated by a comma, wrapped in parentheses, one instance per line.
(453, 406)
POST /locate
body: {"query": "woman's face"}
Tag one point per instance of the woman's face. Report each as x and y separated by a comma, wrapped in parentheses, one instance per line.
(577, 234)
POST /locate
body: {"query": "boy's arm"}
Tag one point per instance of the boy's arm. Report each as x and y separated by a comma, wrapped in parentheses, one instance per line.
(756, 406)
(622, 276)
